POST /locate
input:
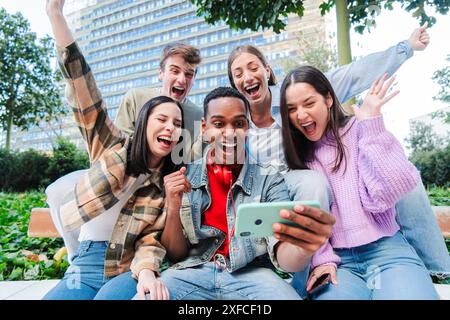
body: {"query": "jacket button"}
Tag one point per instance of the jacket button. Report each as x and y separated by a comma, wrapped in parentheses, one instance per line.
(112, 246)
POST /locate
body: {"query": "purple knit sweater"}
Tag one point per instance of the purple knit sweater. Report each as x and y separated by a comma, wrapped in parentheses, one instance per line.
(378, 175)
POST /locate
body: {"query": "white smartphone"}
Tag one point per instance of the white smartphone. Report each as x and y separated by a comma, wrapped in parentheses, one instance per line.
(256, 219)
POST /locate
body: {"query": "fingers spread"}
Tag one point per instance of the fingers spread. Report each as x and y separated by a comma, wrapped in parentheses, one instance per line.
(380, 83)
(385, 88)
(385, 100)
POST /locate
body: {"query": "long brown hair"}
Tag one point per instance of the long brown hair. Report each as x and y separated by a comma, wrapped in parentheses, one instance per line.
(297, 148)
(138, 153)
(257, 53)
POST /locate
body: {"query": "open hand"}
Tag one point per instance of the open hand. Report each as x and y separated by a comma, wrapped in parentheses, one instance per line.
(375, 99)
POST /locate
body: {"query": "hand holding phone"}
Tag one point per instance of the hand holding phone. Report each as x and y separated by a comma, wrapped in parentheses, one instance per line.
(255, 220)
(320, 277)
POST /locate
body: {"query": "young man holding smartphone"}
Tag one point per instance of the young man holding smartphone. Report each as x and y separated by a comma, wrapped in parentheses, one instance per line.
(209, 262)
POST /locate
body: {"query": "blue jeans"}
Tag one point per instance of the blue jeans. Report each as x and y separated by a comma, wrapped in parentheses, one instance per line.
(418, 224)
(387, 269)
(210, 282)
(414, 215)
(85, 279)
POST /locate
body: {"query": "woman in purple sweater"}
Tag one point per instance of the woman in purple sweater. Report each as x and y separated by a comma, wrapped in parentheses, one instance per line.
(367, 256)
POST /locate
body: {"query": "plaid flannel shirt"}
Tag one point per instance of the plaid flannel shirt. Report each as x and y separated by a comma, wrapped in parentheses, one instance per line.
(134, 242)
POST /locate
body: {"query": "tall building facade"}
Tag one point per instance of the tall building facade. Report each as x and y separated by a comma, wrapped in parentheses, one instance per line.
(122, 41)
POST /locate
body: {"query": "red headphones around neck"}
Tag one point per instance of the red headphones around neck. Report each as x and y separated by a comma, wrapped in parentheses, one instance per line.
(223, 173)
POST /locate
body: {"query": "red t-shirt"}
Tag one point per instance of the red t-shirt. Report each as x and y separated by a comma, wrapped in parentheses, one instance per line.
(219, 185)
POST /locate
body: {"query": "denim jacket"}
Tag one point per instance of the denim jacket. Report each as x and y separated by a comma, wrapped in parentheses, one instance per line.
(254, 184)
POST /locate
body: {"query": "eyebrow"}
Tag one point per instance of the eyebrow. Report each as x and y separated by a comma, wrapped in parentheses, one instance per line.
(177, 67)
(222, 117)
(161, 114)
(304, 101)
(309, 98)
(249, 63)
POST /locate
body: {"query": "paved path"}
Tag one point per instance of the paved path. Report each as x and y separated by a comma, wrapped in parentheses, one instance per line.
(35, 290)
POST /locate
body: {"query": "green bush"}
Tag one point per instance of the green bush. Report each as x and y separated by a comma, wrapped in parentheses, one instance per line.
(66, 158)
(6, 164)
(28, 171)
(31, 170)
(439, 196)
(434, 166)
(15, 263)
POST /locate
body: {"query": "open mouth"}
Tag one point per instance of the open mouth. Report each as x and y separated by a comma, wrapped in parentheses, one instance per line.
(252, 90)
(165, 141)
(178, 91)
(309, 127)
(228, 145)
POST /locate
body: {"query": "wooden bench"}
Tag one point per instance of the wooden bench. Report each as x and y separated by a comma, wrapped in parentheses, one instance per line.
(443, 218)
(41, 224)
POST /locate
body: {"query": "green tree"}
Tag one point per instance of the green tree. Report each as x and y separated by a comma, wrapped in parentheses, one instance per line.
(265, 14)
(28, 90)
(442, 78)
(312, 51)
(422, 138)
(430, 154)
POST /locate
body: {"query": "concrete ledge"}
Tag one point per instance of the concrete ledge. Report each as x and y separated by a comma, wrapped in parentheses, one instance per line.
(25, 290)
(35, 290)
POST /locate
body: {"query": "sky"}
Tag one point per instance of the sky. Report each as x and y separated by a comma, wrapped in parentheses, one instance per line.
(413, 78)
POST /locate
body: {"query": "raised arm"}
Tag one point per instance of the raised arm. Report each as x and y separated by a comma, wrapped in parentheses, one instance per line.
(88, 106)
(356, 77)
(61, 31)
(385, 173)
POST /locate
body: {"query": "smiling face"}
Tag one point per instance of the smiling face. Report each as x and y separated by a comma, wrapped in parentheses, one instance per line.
(308, 110)
(163, 130)
(250, 77)
(225, 127)
(177, 77)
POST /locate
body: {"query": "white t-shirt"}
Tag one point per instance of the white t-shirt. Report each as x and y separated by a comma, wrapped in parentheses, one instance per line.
(101, 227)
(266, 144)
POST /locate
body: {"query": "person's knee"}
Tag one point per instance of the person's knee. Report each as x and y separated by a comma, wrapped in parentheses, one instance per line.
(309, 185)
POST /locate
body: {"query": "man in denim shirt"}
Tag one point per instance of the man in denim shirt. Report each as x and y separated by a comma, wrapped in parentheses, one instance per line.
(210, 262)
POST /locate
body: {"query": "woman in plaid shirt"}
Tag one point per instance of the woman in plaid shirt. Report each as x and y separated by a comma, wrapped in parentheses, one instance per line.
(123, 189)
